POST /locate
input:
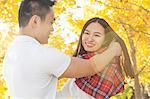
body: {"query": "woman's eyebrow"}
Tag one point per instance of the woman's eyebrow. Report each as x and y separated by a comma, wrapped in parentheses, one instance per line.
(98, 33)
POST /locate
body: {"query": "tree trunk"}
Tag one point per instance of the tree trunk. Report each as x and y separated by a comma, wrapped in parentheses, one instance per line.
(136, 79)
(137, 90)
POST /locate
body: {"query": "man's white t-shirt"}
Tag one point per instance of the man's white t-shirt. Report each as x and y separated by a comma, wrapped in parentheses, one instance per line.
(31, 70)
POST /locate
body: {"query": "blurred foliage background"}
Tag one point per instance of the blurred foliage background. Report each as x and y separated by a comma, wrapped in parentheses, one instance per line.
(129, 18)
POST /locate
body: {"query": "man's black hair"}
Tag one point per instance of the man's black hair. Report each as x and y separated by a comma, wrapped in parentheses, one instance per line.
(28, 8)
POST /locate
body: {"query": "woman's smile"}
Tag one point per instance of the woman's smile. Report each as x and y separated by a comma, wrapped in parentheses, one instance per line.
(89, 44)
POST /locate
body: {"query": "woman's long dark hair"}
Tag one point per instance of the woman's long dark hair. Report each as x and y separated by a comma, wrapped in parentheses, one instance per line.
(109, 36)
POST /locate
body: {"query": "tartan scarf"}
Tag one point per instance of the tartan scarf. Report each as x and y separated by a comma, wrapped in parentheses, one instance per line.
(103, 85)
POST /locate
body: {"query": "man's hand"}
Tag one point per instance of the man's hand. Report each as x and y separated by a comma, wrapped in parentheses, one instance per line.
(116, 48)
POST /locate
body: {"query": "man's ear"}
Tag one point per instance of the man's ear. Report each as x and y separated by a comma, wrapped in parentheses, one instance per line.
(34, 21)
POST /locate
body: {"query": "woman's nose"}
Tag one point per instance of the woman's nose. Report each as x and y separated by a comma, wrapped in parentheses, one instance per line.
(90, 38)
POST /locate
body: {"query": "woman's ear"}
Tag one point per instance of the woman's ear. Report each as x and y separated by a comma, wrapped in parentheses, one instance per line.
(34, 21)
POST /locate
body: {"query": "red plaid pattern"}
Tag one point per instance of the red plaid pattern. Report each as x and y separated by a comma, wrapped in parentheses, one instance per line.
(103, 85)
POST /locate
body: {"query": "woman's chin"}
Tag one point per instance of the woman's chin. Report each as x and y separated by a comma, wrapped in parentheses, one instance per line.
(89, 49)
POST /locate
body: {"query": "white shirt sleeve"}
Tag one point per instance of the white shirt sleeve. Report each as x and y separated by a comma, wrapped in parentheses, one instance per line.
(56, 62)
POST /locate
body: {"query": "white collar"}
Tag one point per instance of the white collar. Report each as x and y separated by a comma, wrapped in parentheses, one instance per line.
(26, 38)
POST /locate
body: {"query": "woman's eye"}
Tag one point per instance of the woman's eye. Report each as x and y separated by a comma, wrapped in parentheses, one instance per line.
(97, 35)
(86, 33)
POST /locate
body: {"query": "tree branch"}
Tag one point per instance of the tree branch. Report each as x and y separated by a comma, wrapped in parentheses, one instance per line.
(113, 6)
(147, 10)
(120, 22)
(140, 71)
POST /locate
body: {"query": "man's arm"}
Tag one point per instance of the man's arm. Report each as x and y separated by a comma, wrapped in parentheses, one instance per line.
(81, 67)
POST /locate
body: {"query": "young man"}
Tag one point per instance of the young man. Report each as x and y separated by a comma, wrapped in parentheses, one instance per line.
(31, 70)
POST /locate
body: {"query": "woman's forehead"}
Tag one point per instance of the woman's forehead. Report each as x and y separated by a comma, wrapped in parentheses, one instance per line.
(95, 26)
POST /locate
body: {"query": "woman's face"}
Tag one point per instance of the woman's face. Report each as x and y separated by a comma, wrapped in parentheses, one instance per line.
(93, 37)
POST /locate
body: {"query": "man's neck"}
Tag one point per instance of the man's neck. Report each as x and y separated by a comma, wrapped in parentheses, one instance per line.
(26, 31)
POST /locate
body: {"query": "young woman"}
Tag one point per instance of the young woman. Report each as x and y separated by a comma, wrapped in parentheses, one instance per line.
(95, 37)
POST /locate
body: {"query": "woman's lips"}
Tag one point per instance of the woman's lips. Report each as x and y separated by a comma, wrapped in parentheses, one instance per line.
(89, 44)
